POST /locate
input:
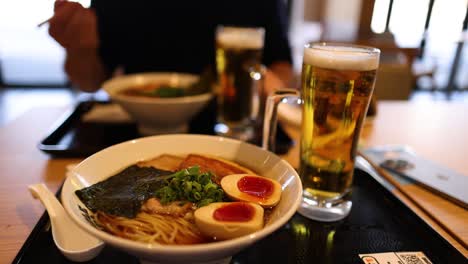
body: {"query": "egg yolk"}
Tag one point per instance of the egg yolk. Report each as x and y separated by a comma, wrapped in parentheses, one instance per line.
(255, 186)
(234, 212)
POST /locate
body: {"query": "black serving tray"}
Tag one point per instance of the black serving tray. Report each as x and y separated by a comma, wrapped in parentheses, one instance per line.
(378, 222)
(71, 137)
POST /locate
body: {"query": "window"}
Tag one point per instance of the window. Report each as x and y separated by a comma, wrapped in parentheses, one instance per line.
(28, 55)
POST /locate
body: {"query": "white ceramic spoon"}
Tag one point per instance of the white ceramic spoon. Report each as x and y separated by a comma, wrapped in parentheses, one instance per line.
(74, 243)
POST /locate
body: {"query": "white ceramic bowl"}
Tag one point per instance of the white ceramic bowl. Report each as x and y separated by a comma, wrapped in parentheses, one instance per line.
(157, 115)
(113, 159)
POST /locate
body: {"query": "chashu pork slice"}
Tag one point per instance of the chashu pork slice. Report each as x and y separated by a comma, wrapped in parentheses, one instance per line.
(219, 167)
(163, 162)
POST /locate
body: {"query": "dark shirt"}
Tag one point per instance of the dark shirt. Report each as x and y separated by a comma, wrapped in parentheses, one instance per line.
(179, 36)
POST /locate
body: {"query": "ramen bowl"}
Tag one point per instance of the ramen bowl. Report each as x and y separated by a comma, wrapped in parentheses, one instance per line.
(115, 158)
(157, 115)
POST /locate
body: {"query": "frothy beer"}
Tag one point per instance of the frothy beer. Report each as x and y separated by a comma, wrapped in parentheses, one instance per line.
(237, 51)
(240, 38)
(337, 84)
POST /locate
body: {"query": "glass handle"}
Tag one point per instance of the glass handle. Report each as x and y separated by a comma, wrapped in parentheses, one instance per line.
(271, 115)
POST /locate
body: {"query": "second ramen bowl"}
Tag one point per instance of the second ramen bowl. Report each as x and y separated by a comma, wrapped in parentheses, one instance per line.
(156, 115)
(113, 159)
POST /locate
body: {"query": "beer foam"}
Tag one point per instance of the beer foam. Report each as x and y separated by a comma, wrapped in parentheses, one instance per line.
(240, 38)
(341, 58)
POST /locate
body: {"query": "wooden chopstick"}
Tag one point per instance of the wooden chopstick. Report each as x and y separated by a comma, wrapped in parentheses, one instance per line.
(44, 22)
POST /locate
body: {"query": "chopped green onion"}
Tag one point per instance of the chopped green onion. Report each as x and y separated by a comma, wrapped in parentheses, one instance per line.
(190, 185)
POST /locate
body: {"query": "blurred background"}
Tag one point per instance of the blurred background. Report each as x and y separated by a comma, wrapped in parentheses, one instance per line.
(424, 55)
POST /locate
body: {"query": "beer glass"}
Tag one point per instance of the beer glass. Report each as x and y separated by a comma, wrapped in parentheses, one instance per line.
(337, 85)
(238, 63)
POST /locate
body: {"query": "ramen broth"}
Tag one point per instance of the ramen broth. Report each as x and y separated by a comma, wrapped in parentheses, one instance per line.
(154, 90)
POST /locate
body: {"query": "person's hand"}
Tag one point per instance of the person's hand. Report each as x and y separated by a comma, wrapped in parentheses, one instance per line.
(272, 82)
(73, 26)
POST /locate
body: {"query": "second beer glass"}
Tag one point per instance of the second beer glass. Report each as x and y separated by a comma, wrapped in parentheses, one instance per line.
(238, 59)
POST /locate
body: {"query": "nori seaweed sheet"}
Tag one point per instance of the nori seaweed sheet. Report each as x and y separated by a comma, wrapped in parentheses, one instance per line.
(124, 193)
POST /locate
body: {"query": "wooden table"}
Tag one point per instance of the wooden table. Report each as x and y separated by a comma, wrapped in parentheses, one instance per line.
(437, 131)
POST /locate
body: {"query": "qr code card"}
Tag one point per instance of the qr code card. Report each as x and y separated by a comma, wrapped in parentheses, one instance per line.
(395, 258)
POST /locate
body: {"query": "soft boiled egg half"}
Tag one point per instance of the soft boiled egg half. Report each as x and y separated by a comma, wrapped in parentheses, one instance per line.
(252, 188)
(228, 220)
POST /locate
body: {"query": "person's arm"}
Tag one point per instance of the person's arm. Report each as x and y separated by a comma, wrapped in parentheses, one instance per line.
(283, 70)
(277, 51)
(75, 28)
(85, 69)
